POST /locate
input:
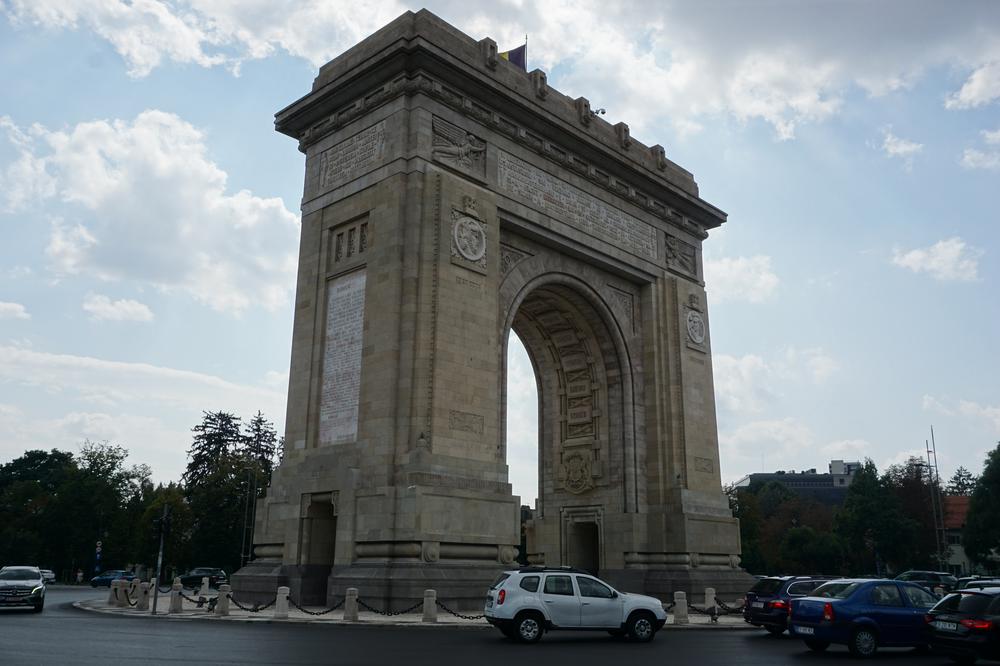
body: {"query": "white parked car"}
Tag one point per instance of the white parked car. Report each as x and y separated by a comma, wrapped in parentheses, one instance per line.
(527, 602)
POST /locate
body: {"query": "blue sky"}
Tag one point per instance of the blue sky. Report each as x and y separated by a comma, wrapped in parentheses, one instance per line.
(149, 210)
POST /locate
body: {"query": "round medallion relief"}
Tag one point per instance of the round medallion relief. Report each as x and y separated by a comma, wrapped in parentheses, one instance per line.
(470, 238)
(696, 327)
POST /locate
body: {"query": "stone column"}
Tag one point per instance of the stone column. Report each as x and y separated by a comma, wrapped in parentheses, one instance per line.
(430, 606)
(176, 602)
(351, 605)
(281, 604)
(222, 607)
(680, 608)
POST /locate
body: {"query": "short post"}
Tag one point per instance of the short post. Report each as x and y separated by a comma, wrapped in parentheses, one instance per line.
(122, 593)
(222, 604)
(710, 599)
(351, 605)
(112, 593)
(205, 590)
(142, 603)
(430, 606)
(681, 608)
(281, 604)
(176, 602)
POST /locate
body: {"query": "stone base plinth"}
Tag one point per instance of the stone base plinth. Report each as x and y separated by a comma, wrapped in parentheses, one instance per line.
(258, 581)
(729, 584)
(398, 585)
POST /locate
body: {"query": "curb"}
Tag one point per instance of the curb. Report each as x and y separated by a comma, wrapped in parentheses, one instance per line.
(86, 606)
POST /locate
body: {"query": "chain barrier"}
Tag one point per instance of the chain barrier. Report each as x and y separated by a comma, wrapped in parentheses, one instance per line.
(391, 613)
(669, 607)
(256, 608)
(322, 612)
(164, 590)
(459, 615)
(729, 609)
(201, 601)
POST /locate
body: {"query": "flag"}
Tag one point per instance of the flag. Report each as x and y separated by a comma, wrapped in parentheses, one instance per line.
(518, 56)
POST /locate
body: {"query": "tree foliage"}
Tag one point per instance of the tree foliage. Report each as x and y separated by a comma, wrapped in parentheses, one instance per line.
(981, 536)
(962, 482)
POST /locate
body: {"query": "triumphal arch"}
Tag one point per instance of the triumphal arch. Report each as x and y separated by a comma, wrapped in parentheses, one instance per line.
(451, 198)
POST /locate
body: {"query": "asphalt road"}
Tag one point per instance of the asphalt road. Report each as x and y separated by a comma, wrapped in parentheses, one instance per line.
(65, 635)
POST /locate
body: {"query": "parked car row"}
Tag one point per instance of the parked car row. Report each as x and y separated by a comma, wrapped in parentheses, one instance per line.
(191, 579)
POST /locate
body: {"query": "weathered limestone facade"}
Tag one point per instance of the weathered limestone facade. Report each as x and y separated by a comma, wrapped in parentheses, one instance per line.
(449, 199)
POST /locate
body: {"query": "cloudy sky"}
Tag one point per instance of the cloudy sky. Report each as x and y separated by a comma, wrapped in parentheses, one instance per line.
(149, 210)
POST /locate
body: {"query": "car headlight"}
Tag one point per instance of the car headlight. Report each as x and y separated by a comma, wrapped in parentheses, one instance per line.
(38, 589)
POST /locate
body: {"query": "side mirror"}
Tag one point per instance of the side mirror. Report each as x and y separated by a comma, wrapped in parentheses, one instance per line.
(614, 595)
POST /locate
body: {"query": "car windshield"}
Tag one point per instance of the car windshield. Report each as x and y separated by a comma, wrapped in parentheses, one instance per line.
(501, 578)
(767, 586)
(969, 603)
(18, 574)
(835, 590)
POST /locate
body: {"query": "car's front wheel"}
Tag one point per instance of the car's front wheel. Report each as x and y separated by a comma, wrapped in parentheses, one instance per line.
(528, 627)
(864, 643)
(816, 646)
(640, 627)
(39, 606)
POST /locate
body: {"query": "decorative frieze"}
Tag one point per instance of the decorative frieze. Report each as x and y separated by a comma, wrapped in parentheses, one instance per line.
(466, 422)
(682, 256)
(458, 148)
(586, 212)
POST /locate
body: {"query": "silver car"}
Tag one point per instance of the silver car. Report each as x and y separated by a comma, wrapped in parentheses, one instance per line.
(22, 586)
(524, 604)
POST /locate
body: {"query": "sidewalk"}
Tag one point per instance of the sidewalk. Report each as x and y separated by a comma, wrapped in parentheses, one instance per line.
(192, 612)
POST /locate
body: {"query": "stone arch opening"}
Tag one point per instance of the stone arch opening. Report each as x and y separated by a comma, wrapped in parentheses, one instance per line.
(586, 444)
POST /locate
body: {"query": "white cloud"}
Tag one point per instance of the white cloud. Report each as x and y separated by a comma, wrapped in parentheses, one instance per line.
(118, 384)
(741, 382)
(748, 279)
(991, 137)
(894, 146)
(101, 307)
(973, 158)
(783, 63)
(819, 365)
(155, 210)
(981, 88)
(988, 412)
(949, 260)
(13, 311)
(848, 449)
(931, 404)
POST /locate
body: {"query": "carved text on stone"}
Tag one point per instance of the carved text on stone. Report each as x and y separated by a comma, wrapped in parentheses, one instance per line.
(345, 314)
(351, 156)
(586, 212)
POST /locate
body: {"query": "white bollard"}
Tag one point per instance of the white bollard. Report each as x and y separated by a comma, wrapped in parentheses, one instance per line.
(205, 590)
(176, 602)
(142, 603)
(122, 594)
(222, 606)
(430, 606)
(351, 605)
(681, 608)
(112, 596)
(281, 604)
(710, 599)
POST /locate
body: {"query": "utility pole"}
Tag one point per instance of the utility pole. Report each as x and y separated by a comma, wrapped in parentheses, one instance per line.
(163, 525)
(936, 504)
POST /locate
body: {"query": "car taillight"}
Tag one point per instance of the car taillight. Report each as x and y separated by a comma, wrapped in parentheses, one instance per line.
(976, 624)
(928, 618)
(778, 605)
(828, 612)
(501, 596)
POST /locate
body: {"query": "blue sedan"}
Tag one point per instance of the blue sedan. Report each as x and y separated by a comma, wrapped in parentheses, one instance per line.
(862, 614)
(104, 578)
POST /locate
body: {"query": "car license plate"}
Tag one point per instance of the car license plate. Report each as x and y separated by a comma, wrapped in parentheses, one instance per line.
(946, 626)
(757, 604)
(806, 631)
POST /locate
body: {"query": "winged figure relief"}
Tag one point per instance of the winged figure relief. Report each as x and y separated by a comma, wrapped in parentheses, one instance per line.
(451, 142)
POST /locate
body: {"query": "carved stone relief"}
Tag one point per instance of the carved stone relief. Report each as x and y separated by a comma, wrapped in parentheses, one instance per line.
(466, 422)
(575, 472)
(510, 257)
(682, 256)
(468, 237)
(458, 148)
(349, 158)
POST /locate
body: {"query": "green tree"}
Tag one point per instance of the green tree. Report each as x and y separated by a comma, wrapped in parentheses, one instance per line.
(962, 482)
(981, 536)
(913, 486)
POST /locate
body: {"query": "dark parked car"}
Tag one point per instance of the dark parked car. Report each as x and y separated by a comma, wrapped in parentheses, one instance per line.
(767, 601)
(930, 579)
(965, 625)
(216, 577)
(863, 615)
(980, 584)
(104, 578)
(22, 586)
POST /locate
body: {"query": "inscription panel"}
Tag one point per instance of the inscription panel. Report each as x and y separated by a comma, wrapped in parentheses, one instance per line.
(588, 213)
(351, 156)
(345, 315)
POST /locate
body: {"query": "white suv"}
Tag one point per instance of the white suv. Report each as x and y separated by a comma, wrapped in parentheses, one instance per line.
(524, 603)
